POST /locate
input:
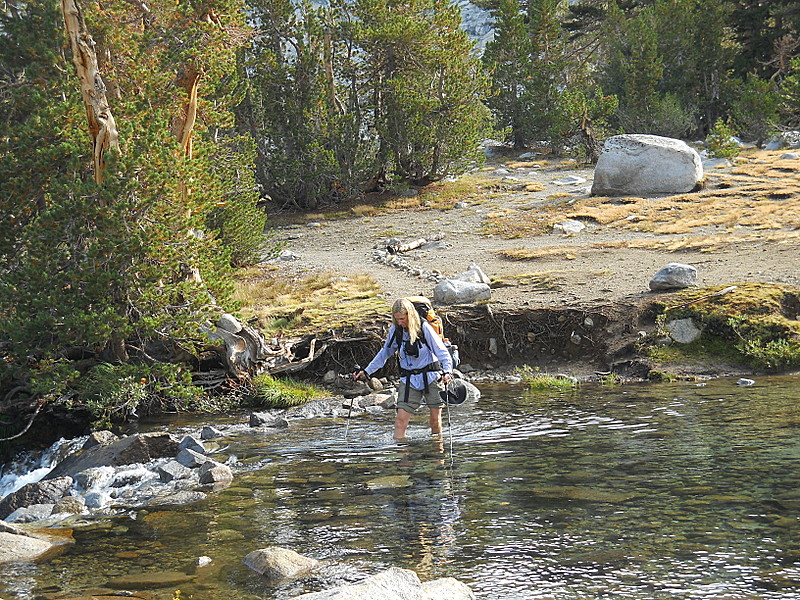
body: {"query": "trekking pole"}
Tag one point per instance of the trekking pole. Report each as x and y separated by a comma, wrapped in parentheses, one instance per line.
(450, 433)
(350, 409)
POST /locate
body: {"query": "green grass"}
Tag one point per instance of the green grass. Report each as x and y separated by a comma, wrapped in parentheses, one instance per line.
(281, 392)
(754, 325)
(536, 380)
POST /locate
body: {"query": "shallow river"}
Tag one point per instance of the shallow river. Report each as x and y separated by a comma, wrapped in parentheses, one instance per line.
(637, 492)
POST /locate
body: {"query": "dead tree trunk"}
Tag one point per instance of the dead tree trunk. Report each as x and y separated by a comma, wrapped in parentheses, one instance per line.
(183, 125)
(102, 127)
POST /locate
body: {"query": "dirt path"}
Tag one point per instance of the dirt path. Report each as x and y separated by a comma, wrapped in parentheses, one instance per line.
(603, 264)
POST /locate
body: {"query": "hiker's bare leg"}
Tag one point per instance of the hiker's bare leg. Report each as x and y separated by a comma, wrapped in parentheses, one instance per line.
(401, 423)
(436, 421)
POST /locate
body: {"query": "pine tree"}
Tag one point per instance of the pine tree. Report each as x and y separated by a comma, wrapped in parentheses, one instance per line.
(790, 95)
(757, 27)
(289, 104)
(425, 88)
(508, 57)
(635, 71)
(123, 268)
(530, 71)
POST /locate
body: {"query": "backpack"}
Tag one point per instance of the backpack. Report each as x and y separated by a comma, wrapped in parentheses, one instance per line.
(426, 313)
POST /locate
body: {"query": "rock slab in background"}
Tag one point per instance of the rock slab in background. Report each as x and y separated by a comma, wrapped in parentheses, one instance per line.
(129, 450)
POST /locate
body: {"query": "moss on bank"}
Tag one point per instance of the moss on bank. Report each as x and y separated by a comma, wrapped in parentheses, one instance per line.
(753, 324)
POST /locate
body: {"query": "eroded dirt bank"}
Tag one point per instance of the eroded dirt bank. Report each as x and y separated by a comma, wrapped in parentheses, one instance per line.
(590, 343)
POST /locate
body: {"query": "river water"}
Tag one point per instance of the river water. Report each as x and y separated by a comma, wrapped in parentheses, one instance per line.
(651, 491)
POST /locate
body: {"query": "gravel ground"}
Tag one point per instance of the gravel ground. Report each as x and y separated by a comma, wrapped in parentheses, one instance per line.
(587, 274)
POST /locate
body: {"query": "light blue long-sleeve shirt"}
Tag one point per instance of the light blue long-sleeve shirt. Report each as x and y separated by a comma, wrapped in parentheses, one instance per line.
(428, 353)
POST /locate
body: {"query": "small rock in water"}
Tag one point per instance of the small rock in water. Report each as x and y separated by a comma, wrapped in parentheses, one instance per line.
(745, 381)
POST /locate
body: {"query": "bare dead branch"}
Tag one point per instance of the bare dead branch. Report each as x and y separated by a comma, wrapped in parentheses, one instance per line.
(39, 406)
(102, 127)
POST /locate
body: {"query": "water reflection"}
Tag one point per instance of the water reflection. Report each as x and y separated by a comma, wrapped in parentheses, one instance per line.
(636, 492)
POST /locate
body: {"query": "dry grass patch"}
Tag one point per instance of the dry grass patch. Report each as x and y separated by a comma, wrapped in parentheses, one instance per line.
(522, 254)
(366, 210)
(307, 303)
(535, 186)
(698, 243)
(763, 194)
(525, 164)
(544, 280)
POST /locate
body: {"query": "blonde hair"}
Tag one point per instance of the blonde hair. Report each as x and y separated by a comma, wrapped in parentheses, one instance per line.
(405, 307)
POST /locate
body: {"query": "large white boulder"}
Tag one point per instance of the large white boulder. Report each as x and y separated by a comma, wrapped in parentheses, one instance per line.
(638, 164)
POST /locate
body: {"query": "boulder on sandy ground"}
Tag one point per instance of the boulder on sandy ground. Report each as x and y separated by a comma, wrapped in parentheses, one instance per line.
(641, 165)
(475, 274)
(277, 563)
(396, 584)
(674, 276)
(454, 291)
(569, 227)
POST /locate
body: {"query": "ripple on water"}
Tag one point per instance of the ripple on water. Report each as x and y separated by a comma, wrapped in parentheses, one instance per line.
(659, 491)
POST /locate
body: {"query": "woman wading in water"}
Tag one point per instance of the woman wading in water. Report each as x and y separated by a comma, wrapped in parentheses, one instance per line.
(425, 366)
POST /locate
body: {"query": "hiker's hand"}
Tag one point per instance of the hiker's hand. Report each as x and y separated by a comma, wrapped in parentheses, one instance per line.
(447, 378)
(359, 375)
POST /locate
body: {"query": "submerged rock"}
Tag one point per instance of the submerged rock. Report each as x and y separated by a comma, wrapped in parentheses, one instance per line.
(585, 494)
(277, 563)
(390, 481)
(396, 584)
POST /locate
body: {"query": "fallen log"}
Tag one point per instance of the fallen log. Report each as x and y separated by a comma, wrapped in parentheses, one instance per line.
(398, 248)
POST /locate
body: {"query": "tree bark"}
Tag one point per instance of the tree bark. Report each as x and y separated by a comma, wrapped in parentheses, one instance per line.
(183, 125)
(102, 127)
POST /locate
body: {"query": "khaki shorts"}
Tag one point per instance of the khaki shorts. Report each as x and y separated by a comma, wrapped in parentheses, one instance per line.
(417, 398)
